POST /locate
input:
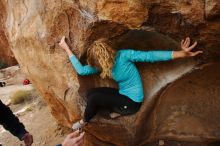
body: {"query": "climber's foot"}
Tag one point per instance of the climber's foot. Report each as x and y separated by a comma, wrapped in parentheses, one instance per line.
(79, 125)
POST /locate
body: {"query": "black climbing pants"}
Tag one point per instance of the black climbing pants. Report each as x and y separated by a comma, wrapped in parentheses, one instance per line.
(111, 99)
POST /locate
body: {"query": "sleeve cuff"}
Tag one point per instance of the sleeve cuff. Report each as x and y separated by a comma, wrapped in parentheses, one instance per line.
(172, 55)
(71, 56)
(21, 134)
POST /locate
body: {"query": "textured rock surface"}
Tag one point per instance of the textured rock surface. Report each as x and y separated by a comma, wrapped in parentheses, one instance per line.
(187, 109)
(5, 53)
(35, 27)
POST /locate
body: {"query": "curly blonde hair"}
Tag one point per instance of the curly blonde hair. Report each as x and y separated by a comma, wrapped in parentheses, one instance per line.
(104, 54)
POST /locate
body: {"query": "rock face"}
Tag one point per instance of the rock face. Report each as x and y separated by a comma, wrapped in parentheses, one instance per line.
(186, 110)
(6, 54)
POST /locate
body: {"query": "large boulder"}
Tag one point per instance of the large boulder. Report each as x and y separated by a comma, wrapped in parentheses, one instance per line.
(188, 108)
(7, 57)
(34, 29)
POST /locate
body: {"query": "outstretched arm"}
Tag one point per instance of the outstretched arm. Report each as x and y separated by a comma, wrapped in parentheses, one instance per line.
(156, 56)
(80, 69)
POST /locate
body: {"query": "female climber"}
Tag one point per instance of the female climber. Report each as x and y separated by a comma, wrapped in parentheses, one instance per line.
(121, 67)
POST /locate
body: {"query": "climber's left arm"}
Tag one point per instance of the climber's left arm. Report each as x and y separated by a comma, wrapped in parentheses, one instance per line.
(156, 56)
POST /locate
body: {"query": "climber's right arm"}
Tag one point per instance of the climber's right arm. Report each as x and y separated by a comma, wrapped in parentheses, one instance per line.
(80, 69)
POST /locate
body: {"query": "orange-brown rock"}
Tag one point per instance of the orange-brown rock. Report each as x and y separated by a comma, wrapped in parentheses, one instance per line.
(176, 107)
(6, 55)
(212, 9)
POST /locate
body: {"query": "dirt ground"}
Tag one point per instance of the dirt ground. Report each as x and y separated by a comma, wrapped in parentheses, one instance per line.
(37, 119)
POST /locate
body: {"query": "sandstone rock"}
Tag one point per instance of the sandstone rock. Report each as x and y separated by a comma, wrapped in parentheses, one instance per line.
(6, 54)
(212, 9)
(187, 107)
(35, 27)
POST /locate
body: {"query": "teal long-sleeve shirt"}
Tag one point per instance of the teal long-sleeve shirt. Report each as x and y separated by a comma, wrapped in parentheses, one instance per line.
(124, 70)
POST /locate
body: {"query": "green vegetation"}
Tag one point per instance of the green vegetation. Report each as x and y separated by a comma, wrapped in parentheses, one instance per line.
(20, 96)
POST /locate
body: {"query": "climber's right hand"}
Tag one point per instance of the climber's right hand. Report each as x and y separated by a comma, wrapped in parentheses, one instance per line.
(63, 43)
